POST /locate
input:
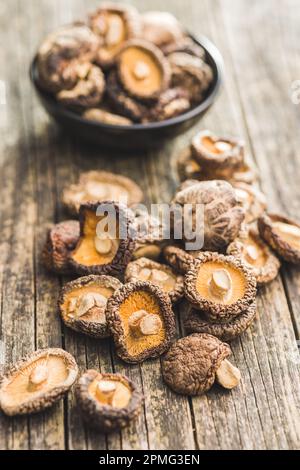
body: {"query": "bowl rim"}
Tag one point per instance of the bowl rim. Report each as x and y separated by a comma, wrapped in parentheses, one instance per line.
(209, 48)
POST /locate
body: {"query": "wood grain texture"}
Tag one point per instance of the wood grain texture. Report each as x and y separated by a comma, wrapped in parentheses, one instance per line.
(260, 47)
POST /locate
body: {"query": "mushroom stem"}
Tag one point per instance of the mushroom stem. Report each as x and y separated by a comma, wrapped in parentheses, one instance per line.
(38, 375)
(228, 375)
(143, 323)
(220, 284)
(105, 391)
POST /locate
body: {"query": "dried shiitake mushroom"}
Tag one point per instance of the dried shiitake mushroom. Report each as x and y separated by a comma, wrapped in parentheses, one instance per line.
(143, 70)
(251, 199)
(159, 274)
(220, 286)
(37, 381)
(171, 103)
(82, 304)
(108, 402)
(106, 117)
(194, 363)
(194, 321)
(149, 235)
(189, 168)
(114, 24)
(141, 321)
(222, 214)
(63, 55)
(122, 102)
(61, 240)
(190, 73)
(187, 45)
(88, 90)
(215, 152)
(97, 186)
(178, 258)
(161, 28)
(99, 251)
(282, 234)
(256, 254)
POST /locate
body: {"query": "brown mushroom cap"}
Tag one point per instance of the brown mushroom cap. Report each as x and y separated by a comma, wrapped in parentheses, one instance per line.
(216, 152)
(263, 263)
(187, 45)
(161, 28)
(178, 258)
(16, 395)
(107, 418)
(194, 321)
(197, 286)
(89, 323)
(171, 103)
(62, 55)
(190, 73)
(86, 258)
(287, 246)
(145, 269)
(190, 365)
(61, 240)
(143, 70)
(114, 24)
(87, 92)
(222, 214)
(132, 298)
(95, 186)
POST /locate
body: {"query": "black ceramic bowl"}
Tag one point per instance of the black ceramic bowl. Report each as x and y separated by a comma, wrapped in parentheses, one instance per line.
(135, 136)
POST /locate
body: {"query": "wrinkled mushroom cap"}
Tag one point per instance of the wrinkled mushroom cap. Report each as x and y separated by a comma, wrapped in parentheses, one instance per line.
(143, 70)
(190, 365)
(108, 417)
(132, 298)
(256, 254)
(159, 274)
(282, 234)
(198, 283)
(18, 396)
(81, 311)
(251, 199)
(61, 240)
(222, 214)
(62, 55)
(194, 321)
(108, 255)
(178, 258)
(95, 186)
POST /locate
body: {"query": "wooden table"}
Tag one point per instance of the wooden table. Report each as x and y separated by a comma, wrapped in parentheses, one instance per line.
(260, 45)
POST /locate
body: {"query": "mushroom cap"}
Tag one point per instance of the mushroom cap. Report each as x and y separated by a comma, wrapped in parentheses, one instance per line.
(264, 273)
(190, 365)
(90, 327)
(178, 258)
(118, 326)
(194, 321)
(125, 248)
(255, 203)
(87, 92)
(161, 28)
(212, 159)
(223, 216)
(218, 311)
(171, 103)
(282, 247)
(132, 274)
(106, 418)
(12, 404)
(131, 20)
(154, 58)
(76, 194)
(61, 240)
(62, 54)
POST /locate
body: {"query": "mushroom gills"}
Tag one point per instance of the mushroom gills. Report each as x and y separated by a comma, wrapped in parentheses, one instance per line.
(290, 233)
